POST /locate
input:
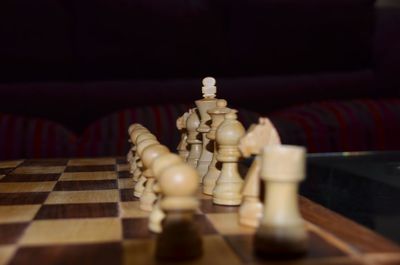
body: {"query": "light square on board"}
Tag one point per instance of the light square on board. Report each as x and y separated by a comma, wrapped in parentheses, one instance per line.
(130, 209)
(123, 167)
(18, 213)
(87, 196)
(126, 183)
(72, 231)
(215, 252)
(39, 170)
(6, 253)
(228, 224)
(101, 175)
(91, 161)
(10, 164)
(15, 187)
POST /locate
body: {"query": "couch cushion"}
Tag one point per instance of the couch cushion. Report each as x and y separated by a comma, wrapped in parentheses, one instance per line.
(329, 126)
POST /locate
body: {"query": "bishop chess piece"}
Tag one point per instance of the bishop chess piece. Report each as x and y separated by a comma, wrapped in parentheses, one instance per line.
(180, 238)
(282, 231)
(258, 136)
(193, 139)
(229, 184)
(149, 154)
(203, 105)
(214, 170)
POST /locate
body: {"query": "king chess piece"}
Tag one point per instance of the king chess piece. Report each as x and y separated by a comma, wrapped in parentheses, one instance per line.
(203, 105)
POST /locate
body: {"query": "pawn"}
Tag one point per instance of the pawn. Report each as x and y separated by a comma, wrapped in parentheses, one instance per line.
(139, 186)
(282, 230)
(158, 166)
(144, 135)
(183, 145)
(180, 238)
(193, 139)
(229, 184)
(150, 153)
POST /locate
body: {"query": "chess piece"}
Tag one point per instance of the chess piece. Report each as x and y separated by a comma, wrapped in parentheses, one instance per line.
(182, 148)
(139, 186)
(217, 116)
(193, 139)
(150, 153)
(229, 184)
(159, 164)
(203, 105)
(180, 238)
(258, 136)
(136, 163)
(282, 230)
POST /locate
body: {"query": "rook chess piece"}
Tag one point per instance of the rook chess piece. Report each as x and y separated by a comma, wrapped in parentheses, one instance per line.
(229, 184)
(180, 238)
(282, 230)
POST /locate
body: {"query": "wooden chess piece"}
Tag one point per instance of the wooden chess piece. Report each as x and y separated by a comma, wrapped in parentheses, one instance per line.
(282, 230)
(139, 186)
(258, 136)
(158, 166)
(217, 116)
(150, 153)
(180, 238)
(203, 105)
(193, 139)
(229, 184)
(136, 163)
(183, 148)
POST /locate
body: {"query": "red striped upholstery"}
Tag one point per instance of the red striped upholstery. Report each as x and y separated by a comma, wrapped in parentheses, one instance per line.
(108, 136)
(329, 126)
(22, 137)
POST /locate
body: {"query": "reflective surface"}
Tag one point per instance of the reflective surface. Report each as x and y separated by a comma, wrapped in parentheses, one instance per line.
(363, 186)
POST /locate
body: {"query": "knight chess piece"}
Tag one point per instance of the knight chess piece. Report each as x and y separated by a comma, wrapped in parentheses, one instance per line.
(282, 230)
(258, 136)
(183, 148)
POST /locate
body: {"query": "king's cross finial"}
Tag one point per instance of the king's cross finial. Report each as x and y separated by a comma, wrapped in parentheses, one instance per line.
(209, 89)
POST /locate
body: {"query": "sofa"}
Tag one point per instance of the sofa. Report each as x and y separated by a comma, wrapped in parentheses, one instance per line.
(72, 71)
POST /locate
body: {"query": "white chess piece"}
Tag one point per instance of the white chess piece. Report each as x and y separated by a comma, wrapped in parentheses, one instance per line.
(282, 230)
(229, 184)
(203, 105)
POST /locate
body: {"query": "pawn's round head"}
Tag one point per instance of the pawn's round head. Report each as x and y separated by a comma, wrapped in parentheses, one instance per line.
(221, 103)
(151, 152)
(134, 126)
(144, 136)
(145, 143)
(135, 133)
(164, 161)
(179, 180)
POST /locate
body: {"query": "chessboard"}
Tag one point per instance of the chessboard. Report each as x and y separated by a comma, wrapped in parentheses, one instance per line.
(82, 211)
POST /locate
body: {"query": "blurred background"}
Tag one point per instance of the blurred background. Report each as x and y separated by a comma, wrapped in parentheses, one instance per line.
(76, 73)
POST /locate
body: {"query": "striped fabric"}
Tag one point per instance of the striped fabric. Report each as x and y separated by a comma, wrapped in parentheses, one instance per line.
(108, 136)
(22, 137)
(329, 126)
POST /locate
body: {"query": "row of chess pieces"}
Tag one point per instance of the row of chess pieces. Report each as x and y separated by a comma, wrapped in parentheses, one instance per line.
(212, 143)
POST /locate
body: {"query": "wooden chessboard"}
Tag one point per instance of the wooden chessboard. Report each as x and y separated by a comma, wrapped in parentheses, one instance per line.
(82, 211)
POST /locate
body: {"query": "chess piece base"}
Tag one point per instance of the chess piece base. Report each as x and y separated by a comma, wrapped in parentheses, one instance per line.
(180, 239)
(276, 243)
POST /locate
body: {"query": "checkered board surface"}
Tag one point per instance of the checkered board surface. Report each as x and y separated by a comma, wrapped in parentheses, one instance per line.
(82, 211)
